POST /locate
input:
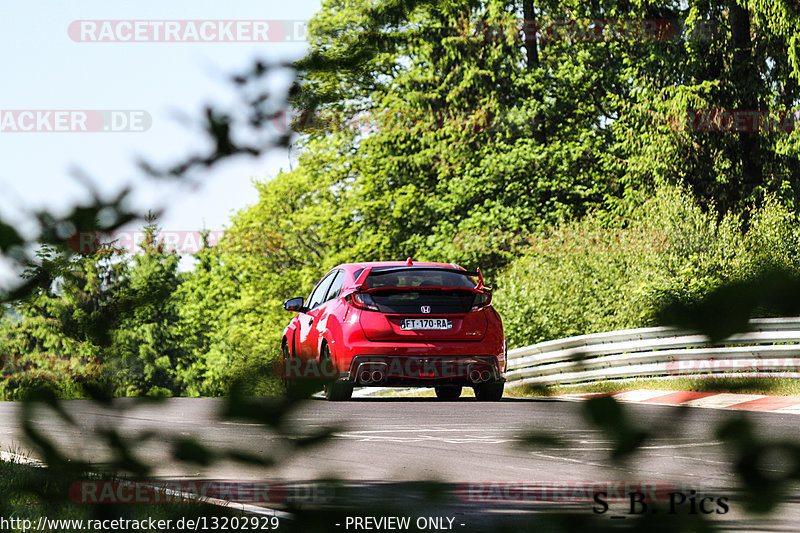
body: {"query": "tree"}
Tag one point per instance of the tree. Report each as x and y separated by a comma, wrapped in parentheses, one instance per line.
(148, 355)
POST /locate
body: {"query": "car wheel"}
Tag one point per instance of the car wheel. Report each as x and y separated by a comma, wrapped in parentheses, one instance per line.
(336, 390)
(448, 392)
(489, 391)
(292, 389)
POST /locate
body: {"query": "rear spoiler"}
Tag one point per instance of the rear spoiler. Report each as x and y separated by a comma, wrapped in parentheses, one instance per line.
(480, 281)
(386, 270)
(361, 282)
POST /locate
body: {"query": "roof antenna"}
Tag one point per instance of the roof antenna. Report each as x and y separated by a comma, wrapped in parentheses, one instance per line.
(409, 262)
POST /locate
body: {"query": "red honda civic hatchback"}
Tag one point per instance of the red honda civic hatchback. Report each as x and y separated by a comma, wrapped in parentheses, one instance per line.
(410, 324)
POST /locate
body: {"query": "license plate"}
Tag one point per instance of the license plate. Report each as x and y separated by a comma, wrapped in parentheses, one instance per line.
(426, 323)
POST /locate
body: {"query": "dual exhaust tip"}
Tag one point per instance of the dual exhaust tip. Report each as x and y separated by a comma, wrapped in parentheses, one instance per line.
(371, 373)
(479, 376)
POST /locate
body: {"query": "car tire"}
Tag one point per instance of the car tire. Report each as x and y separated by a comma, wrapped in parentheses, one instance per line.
(291, 388)
(336, 390)
(448, 392)
(490, 391)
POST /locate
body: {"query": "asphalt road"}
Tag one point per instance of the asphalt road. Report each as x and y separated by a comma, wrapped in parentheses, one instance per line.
(383, 447)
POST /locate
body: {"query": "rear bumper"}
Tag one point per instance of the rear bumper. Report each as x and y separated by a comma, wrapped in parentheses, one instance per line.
(424, 370)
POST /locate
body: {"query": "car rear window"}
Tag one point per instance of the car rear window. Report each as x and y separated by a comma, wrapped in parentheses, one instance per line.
(417, 277)
(409, 302)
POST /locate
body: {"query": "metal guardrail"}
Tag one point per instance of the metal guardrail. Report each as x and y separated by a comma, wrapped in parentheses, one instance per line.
(770, 348)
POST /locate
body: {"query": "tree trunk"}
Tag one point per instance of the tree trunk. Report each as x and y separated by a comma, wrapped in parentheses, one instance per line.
(532, 53)
(746, 83)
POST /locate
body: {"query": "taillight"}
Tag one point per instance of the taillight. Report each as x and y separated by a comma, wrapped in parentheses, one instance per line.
(361, 300)
(481, 300)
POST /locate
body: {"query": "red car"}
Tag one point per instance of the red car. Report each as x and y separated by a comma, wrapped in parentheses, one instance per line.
(409, 324)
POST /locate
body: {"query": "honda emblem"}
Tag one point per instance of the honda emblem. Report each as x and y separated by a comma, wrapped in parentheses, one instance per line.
(425, 308)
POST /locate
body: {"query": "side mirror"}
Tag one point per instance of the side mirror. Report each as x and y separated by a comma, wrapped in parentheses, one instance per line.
(294, 304)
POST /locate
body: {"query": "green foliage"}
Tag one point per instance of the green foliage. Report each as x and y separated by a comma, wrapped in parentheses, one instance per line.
(231, 312)
(589, 276)
(472, 139)
(99, 322)
(146, 354)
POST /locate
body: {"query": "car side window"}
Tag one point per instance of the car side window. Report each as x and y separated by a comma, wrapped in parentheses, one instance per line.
(319, 293)
(336, 286)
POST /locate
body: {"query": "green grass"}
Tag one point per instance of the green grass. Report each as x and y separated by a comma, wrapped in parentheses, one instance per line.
(30, 492)
(770, 386)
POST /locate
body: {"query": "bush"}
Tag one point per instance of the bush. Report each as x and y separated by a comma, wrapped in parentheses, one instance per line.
(590, 276)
